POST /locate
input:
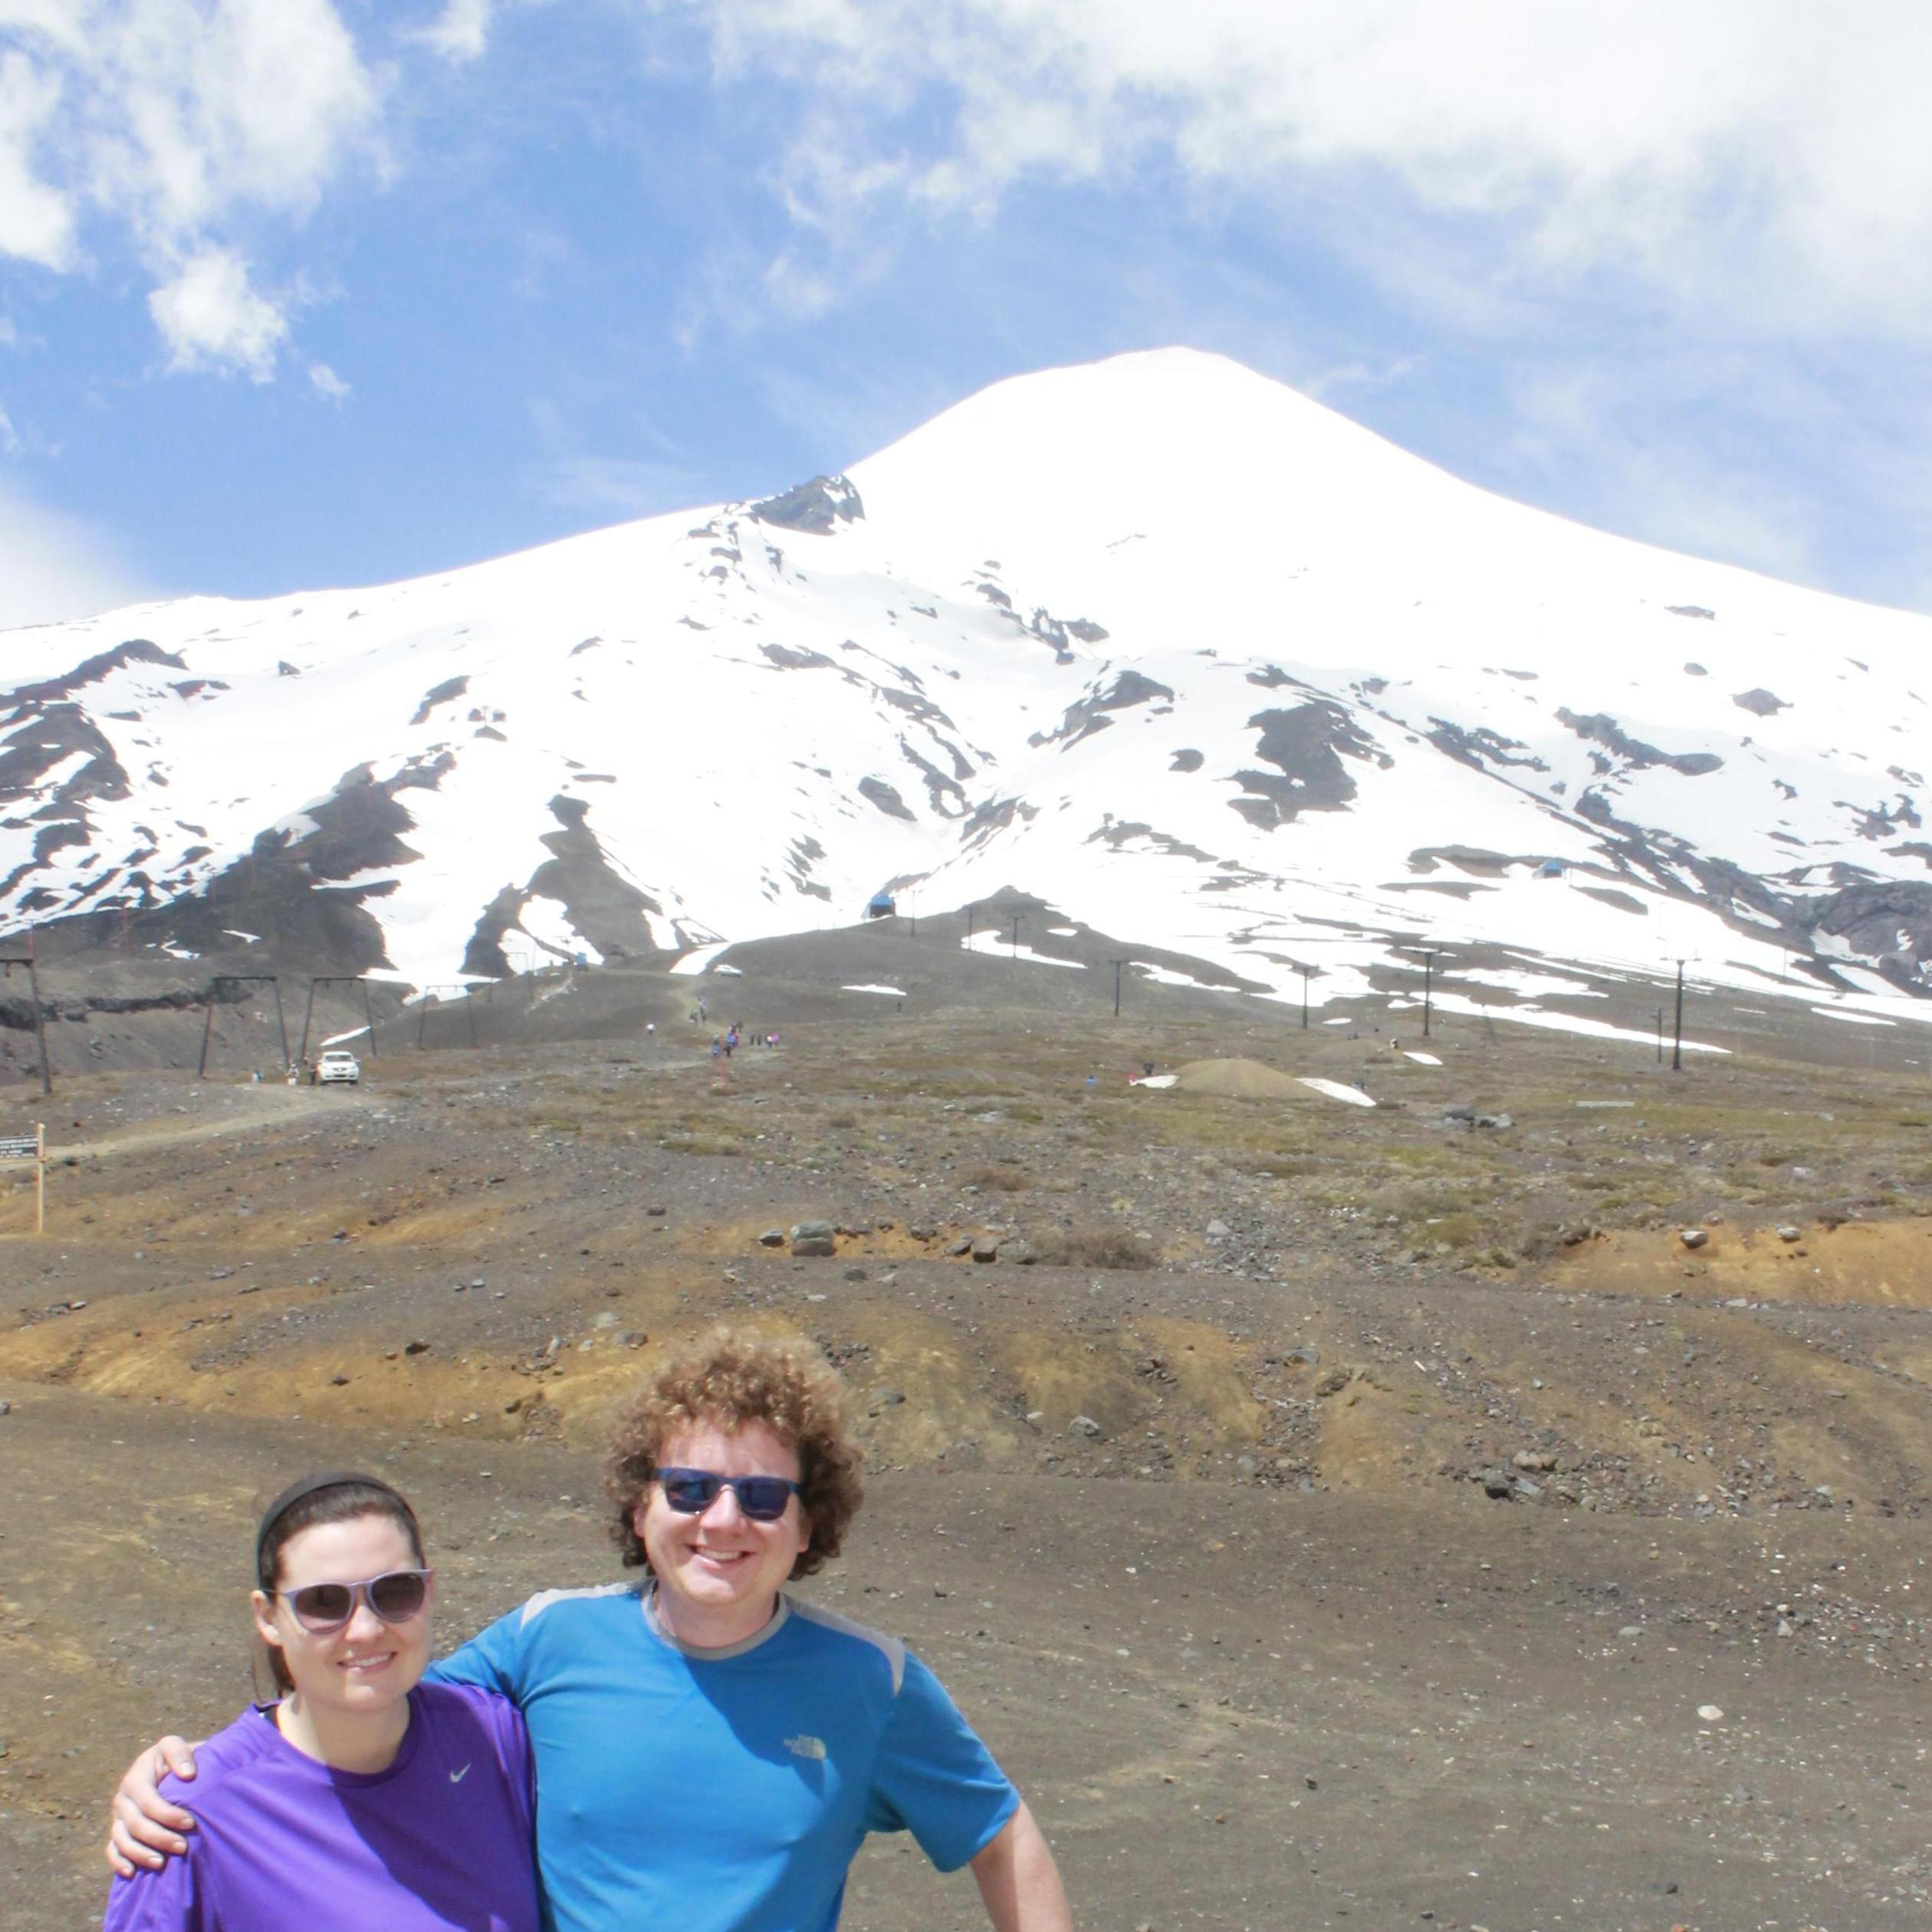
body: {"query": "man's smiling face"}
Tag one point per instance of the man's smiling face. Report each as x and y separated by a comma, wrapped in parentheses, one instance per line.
(718, 1572)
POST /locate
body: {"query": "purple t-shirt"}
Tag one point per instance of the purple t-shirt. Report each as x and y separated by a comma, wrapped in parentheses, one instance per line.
(440, 1839)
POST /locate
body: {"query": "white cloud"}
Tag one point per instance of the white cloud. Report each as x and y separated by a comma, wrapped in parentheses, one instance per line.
(326, 382)
(165, 127)
(461, 33)
(1764, 157)
(210, 317)
(36, 222)
(53, 565)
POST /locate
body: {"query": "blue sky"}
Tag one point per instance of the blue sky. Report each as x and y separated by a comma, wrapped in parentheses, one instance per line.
(307, 292)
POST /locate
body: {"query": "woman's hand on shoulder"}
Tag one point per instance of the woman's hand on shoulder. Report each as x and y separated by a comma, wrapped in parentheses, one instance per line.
(143, 1828)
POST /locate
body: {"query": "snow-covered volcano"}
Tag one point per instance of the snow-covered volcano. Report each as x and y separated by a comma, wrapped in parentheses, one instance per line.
(1191, 657)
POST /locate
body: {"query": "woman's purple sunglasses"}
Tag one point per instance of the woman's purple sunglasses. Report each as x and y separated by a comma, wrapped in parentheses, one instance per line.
(395, 1596)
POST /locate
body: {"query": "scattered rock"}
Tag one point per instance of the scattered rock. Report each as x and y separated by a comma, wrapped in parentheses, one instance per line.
(985, 1248)
(1788, 1235)
(1333, 1383)
(1529, 1461)
(1218, 1231)
(1021, 1254)
(1693, 1237)
(772, 1237)
(415, 1348)
(855, 1274)
(813, 1239)
(1083, 1425)
(962, 1246)
(1496, 1484)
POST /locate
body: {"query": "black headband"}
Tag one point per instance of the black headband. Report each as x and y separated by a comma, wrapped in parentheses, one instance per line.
(308, 1486)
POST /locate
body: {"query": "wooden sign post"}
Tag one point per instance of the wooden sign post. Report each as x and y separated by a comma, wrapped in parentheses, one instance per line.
(31, 1147)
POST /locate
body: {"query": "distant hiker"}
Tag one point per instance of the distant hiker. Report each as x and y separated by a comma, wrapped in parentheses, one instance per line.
(700, 1010)
(731, 1043)
(711, 1749)
(650, 1029)
(365, 1797)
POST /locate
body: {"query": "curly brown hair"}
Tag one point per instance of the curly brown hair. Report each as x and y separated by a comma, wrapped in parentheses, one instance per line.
(725, 1380)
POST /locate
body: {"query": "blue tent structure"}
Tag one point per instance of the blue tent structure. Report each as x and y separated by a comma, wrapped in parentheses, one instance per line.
(1550, 869)
(880, 906)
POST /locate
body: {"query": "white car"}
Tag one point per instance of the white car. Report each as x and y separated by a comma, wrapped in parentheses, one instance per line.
(335, 1065)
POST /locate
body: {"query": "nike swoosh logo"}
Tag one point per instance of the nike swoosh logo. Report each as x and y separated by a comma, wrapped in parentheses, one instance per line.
(457, 1777)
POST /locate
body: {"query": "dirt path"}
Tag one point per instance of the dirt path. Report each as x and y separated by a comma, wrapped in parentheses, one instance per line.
(246, 1110)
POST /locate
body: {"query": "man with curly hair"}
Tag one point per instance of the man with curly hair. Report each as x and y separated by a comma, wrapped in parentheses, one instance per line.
(711, 1751)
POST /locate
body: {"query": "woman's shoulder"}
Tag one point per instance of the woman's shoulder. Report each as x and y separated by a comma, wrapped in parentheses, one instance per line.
(469, 1707)
(226, 1758)
(459, 1701)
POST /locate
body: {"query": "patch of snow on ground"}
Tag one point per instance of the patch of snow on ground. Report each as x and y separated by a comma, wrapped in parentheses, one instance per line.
(696, 961)
(1596, 1029)
(1537, 986)
(1167, 976)
(336, 1039)
(895, 992)
(1850, 1019)
(1334, 1089)
(1155, 1080)
(995, 947)
(247, 939)
(1421, 1059)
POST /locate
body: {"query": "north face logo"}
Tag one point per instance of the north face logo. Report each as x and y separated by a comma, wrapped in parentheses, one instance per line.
(802, 1746)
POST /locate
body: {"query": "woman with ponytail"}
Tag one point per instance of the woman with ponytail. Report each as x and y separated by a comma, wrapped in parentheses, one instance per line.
(362, 1798)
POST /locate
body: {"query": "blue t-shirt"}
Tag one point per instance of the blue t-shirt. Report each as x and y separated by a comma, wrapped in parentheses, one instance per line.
(440, 1840)
(726, 1791)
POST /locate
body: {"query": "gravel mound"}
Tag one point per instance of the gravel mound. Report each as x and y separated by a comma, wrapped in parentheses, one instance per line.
(1237, 1080)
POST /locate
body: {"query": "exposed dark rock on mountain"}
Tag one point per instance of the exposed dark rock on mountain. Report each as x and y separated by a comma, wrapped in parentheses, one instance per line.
(1306, 744)
(1599, 729)
(816, 507)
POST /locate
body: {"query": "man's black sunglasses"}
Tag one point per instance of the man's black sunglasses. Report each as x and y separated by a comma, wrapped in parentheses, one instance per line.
(762, 1498)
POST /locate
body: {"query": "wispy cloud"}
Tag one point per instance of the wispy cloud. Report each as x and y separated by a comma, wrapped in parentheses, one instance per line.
(461, 33)
(1760, 157)
(211, 317)
(164, 127)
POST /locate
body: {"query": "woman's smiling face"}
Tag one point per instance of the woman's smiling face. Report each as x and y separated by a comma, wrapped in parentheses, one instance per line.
(368, 1664)
(718, 1572)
